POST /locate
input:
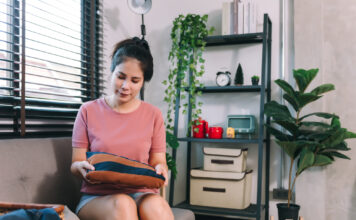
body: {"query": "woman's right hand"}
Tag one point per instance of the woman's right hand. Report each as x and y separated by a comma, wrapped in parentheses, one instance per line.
(80, 169)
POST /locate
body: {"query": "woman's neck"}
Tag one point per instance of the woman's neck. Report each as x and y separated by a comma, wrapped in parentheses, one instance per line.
(126, 107)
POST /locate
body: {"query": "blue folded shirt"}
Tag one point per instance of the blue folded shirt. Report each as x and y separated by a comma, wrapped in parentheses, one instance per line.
(31, 214)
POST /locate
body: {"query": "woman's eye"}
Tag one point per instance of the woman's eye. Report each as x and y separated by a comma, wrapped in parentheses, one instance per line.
(121, 77)
(135, 81)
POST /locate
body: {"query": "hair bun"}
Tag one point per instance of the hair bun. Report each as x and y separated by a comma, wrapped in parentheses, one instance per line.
(141, 42)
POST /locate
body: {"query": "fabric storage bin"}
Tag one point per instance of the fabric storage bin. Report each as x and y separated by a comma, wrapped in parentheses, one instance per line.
(224, 159)
(220, 189)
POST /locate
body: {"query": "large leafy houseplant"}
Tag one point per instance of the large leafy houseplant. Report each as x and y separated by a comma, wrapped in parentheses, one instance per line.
(186, 67)
(307, 142)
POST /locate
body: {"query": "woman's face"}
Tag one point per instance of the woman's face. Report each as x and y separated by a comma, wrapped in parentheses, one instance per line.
(127, 80)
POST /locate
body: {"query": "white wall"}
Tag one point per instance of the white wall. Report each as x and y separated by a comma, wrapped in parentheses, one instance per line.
(324, 38)
(121, 23)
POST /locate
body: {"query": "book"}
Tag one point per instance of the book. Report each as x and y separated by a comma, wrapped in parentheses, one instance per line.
(236, 17)
(246, 17)
(240, 19)
(225, 26)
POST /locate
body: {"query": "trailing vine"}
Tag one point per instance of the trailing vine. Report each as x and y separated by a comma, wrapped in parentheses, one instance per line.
(186, 68)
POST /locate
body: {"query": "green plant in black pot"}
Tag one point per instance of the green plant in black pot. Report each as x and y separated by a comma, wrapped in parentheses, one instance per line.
(308, 143)
(239, 76)
(255, 79)
(186, 68)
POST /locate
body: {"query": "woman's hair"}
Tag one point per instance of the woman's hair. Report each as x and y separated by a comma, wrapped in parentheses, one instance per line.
(133, 48)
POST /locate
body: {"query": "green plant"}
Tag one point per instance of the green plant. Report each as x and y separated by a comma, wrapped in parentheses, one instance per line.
(310, 143)
(186, 67)
(255, 77)
(239, 76)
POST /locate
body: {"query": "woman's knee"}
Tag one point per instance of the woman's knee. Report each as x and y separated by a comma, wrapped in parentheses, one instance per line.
(154, 207)
(124, 207)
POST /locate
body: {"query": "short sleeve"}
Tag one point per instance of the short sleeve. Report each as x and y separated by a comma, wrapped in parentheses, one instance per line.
(159, 134)
(80, 132)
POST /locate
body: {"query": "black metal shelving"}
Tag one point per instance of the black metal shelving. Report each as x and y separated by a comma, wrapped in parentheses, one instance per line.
(263, 139)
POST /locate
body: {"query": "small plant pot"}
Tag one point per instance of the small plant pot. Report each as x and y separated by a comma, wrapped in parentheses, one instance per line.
(288, 213)
(255, 81)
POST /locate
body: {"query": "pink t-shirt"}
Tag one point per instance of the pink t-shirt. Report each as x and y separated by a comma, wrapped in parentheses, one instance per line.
(134, 135)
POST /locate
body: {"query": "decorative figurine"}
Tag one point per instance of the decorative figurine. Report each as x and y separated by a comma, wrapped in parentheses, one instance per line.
(230, 132)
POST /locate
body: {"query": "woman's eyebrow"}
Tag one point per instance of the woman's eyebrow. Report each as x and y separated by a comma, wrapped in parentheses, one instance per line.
(134, 77)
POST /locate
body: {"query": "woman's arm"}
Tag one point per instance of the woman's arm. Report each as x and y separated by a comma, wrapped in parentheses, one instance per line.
(158, 161)
(79, 163)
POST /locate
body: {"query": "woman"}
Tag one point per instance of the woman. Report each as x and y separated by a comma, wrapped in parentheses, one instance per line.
(122, 124)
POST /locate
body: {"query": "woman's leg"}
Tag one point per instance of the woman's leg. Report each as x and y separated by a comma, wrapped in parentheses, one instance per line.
(153, 207)
(112, 207)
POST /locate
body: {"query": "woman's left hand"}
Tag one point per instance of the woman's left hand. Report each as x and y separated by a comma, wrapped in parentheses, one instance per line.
(162, 170)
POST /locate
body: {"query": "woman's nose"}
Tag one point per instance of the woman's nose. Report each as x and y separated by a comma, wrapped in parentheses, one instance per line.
(124, 84)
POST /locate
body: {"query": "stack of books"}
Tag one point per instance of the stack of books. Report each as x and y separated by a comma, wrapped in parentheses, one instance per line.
(239, 17)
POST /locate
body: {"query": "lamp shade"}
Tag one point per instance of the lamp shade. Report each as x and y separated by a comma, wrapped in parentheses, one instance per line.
(140, 6)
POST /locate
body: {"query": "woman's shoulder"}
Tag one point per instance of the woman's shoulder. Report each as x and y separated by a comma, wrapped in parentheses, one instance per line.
(88, 105)
(150, 107)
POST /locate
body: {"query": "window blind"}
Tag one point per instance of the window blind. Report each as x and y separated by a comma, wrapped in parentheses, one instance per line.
(50, 63)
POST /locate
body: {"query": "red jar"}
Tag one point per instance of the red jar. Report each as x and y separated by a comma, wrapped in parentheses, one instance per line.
(215, 132)
(202, 128)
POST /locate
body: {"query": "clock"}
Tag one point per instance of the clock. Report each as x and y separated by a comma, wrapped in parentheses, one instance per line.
(223, 78)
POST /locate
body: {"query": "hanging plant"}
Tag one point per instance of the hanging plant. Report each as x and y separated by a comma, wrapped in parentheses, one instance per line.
(186, 58)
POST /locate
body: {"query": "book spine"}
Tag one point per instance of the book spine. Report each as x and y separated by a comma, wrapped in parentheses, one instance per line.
(236, 17)
(240, 19)
(231, 18)
(253, 17)
(224, 27)
(246, 17)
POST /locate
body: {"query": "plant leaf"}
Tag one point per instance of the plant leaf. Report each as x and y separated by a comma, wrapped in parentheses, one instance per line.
(322, 160)
(279, 134)
(306, 98)
(287, 88)
(292, 101)
(342, 146)
(292, 148)
(335, 122)
(350, 134)
(335, 138)
(340, 155)
(314, 123)
(319, 114)
(304, 77)
(289, 126)
(277, 111)
(323, 89)
(306, 160)
(172, 140)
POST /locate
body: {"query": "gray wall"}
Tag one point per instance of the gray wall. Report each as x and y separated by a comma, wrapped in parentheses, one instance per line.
(324, 38)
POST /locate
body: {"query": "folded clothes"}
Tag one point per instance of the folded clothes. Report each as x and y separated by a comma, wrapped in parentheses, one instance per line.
(31, 214)
(110, 168)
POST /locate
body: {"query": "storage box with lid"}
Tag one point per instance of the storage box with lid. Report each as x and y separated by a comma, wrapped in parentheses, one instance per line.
(225, 159)
(220, 189)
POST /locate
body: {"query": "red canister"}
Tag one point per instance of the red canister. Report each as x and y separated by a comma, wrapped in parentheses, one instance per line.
(200, 128)
(215, 132)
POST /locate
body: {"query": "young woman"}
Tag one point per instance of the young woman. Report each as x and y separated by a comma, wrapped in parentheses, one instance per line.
(122, 124)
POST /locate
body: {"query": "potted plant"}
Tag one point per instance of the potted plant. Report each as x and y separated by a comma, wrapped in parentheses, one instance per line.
(255, 79)
(188, 33)
(307, 142)
(239, 76)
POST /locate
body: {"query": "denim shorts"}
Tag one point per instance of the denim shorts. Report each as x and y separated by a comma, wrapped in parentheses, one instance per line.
(88, 197)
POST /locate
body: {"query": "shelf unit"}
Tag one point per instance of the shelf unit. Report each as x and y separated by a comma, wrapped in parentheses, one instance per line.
(263, 140)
